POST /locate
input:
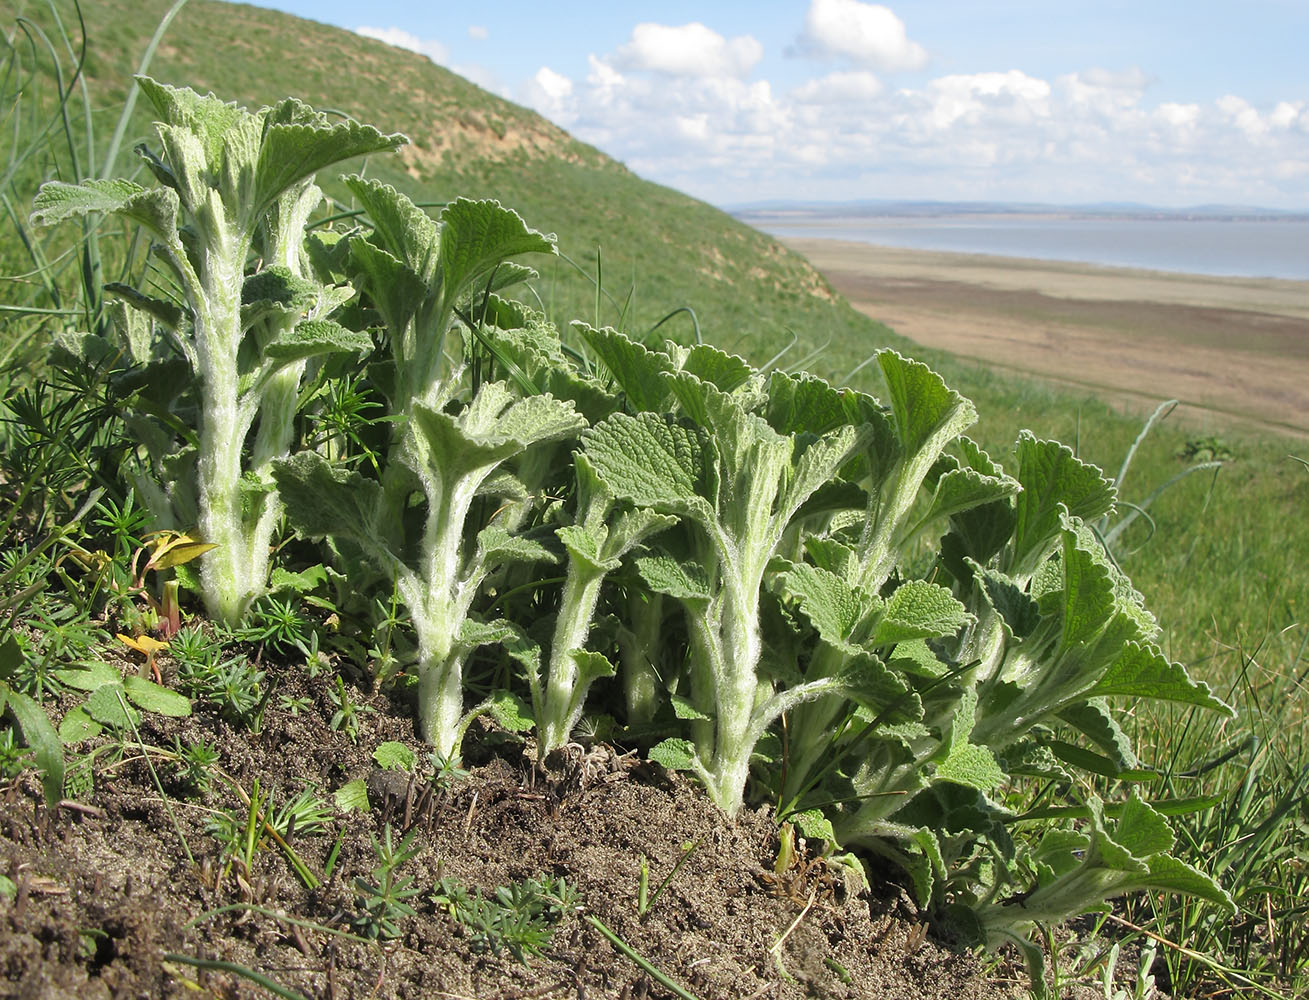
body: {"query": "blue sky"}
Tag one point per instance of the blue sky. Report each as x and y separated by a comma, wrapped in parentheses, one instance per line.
(1160, 101)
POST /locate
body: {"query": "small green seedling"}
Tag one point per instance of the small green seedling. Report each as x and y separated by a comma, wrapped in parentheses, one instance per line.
(645, 899)
(385, 900)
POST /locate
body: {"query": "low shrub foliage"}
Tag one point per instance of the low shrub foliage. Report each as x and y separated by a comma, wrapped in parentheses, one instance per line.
(795, 591)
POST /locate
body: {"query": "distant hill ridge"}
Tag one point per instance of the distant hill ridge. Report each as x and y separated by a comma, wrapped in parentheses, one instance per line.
(659, 249)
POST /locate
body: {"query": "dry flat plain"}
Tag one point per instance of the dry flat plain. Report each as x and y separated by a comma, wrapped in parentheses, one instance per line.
(1235, 349)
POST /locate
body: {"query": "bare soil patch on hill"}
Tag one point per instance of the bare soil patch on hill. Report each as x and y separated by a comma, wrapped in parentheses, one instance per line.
(1230, 349)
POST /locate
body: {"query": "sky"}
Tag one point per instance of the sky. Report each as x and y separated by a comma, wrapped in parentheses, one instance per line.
(1163, 102)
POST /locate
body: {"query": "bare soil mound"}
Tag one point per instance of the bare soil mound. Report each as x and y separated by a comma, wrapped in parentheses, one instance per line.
(109, 904)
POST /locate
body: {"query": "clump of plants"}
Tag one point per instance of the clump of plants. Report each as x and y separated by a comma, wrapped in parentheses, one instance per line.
(797, 592)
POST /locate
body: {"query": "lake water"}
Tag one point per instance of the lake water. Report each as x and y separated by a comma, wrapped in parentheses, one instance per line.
(1255, 249)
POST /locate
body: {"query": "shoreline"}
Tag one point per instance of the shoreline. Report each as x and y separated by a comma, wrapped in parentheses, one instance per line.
(1229, 348)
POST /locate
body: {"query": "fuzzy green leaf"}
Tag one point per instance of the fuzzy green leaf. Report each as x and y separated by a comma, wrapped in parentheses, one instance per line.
(314, 337)
(407, 233)
(1142, 671)
(651, 462)
(476, 236)
(675, 754)
(637, 370)
(1054, 483)
(725, 371)
(830, 604)
(684, 709)
(919, 610)
(299, 142)
(321, 500)
(394, 756)
(153, 208)
(686, 582)
(927, 412)
(803, 404)
(510, 711)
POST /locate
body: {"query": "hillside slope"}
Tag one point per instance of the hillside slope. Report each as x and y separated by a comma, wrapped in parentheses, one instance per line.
(659, 250)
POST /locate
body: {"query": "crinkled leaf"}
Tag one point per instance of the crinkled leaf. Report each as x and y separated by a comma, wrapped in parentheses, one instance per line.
(813, 825)
(302, 582)
(916, 657)
(136, 303)
(510, 711)
(675, 754)
(496, 547)
(867, 682)
(637, 370)
(153, 208)
(351, 796)
(276, 290)
(1092, 720)
(152, 697)
(1087, 760)
(830, 605)
(1033, 759)
(1142, 671)
(478, 235)
(684, 709)
(395, 291)
(725, 371)
(394, 756)
(1141, 829)
(683, 581)
(971, 765)
(919, 610)
(298, 142)
(1020, 613)
(1166, 872)
(321, 500)
(407, 233)
(962, 489)
(1054, 481)
(803, 403)
(591, 666)
(206, 116)
(928, 413)
(314, 337)
(652, 462)
(494, 426)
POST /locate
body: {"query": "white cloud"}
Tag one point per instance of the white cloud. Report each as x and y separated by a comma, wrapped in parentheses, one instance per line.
(867, 34)
(689, 50)
(987, 98)
(402, 39)
(839, 88)
(478, 33)
(1003, 135)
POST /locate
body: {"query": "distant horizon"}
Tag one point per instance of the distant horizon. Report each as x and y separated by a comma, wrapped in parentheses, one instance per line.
(913, 207)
